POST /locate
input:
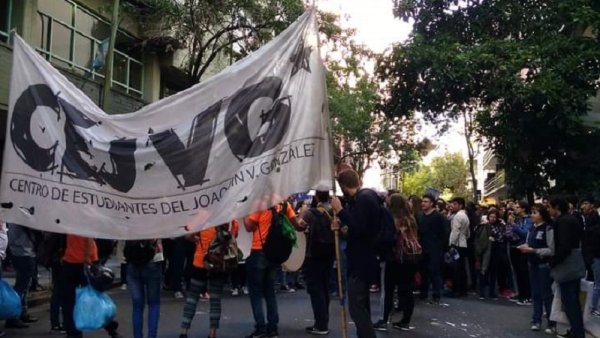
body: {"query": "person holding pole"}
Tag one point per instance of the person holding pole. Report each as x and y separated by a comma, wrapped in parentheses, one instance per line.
(361, 215)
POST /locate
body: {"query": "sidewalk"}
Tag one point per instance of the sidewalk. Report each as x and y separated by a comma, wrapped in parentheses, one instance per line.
(44, 277)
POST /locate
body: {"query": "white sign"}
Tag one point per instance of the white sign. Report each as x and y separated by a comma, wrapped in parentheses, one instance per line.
(235, 144)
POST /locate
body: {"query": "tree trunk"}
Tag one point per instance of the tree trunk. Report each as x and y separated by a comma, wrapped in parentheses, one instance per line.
(468, 120)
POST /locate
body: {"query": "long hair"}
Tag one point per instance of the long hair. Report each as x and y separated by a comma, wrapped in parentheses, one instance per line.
(403, 216)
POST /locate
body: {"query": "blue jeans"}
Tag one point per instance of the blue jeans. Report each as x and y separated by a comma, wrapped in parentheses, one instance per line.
(261, 285)
(596, 293)
(569, 294)
(541, 289)
(143, 283)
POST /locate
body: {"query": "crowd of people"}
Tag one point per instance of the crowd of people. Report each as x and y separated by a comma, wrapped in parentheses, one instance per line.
(437, 249)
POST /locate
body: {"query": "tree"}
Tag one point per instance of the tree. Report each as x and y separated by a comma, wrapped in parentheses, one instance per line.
(212, 29)
(447, 174)
(363, 131)
(524, 69)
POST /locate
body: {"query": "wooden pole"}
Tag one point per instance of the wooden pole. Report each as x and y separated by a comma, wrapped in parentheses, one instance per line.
(108, 66)
(338, 260)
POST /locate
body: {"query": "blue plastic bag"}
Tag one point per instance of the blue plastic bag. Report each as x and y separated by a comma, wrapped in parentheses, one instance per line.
(93, 309)
(10, 302)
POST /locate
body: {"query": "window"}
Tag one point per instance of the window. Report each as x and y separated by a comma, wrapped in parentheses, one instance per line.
(5, 16)
(70, 36)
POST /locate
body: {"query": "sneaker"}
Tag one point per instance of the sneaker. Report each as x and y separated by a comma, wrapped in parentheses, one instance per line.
(57, 329)
(513, 299)
(28, 319)
(245, 290)
(257, 334)
(178, 295)
(535, 327)
(481, 298)
(525, 302)
(272, 334)
(299, 286)
(183, 335)
(402, 326)
(235, 292)
(550, 330)
(291, 290)
(374, 288)
(381, 325)
(124, 287)
(568, 334)
(315, 331)
(595, 313)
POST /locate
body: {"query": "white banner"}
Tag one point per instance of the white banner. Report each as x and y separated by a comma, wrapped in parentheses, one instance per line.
(222, 149)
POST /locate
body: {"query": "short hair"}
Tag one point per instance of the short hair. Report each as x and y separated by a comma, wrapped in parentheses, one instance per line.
(429, 197)
(524, 205)
(543, 211)
(494, 212)
(560, 203)
(589, 199)
(349, 179)
(459, 200)
(322, 196)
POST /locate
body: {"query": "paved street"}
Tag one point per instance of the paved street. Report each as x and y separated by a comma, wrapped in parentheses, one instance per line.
(463, 318)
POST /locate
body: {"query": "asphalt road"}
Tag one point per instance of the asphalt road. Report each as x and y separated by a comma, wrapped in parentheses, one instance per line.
(468, 317)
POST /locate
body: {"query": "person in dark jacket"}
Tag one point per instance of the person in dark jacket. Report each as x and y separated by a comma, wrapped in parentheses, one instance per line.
(595, 244)
(567, 237)
(519, 260)
(540, 249)
(360, 214)
(591, 221)
(433, 236)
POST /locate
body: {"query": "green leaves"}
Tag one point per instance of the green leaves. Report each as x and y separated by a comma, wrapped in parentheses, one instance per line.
(527, 68)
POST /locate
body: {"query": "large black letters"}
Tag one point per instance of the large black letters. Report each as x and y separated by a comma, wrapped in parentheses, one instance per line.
(122, 177)
(38, 158)
(236, 121)
(189, 161)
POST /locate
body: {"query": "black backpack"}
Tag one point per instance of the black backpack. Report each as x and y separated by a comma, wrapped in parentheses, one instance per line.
(321, 242)
(385, 238)
(139, 252)
(277, 246)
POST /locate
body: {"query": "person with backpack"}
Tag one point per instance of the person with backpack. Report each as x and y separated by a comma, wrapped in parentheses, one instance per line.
(362, 214)
(271, 246)
(320, 254)
(22, 243)
(215, 257)
(80, 252)
(144, 277)
(400, 270)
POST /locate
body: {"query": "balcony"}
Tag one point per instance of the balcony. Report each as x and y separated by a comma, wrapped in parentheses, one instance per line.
(489, 160)
(494, 184)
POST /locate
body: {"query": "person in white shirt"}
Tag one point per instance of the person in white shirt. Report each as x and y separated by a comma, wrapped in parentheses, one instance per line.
(458, 240)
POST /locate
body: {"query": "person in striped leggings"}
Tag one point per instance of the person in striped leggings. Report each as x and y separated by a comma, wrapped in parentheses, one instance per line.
(203, 280)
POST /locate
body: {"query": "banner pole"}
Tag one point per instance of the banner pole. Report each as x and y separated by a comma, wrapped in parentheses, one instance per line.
(341, 293)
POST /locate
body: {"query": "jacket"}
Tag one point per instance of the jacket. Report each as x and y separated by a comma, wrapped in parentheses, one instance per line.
(589, 246)
(567, 236)
(20, 241)
(521, 229)
(483, 245)
(541, 238)
(432, 233)
(361, 215)
(460, 230)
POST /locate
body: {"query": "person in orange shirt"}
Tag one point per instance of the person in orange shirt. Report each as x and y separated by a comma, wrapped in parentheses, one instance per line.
(261, 273)
(80, 252)
(202, 279)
